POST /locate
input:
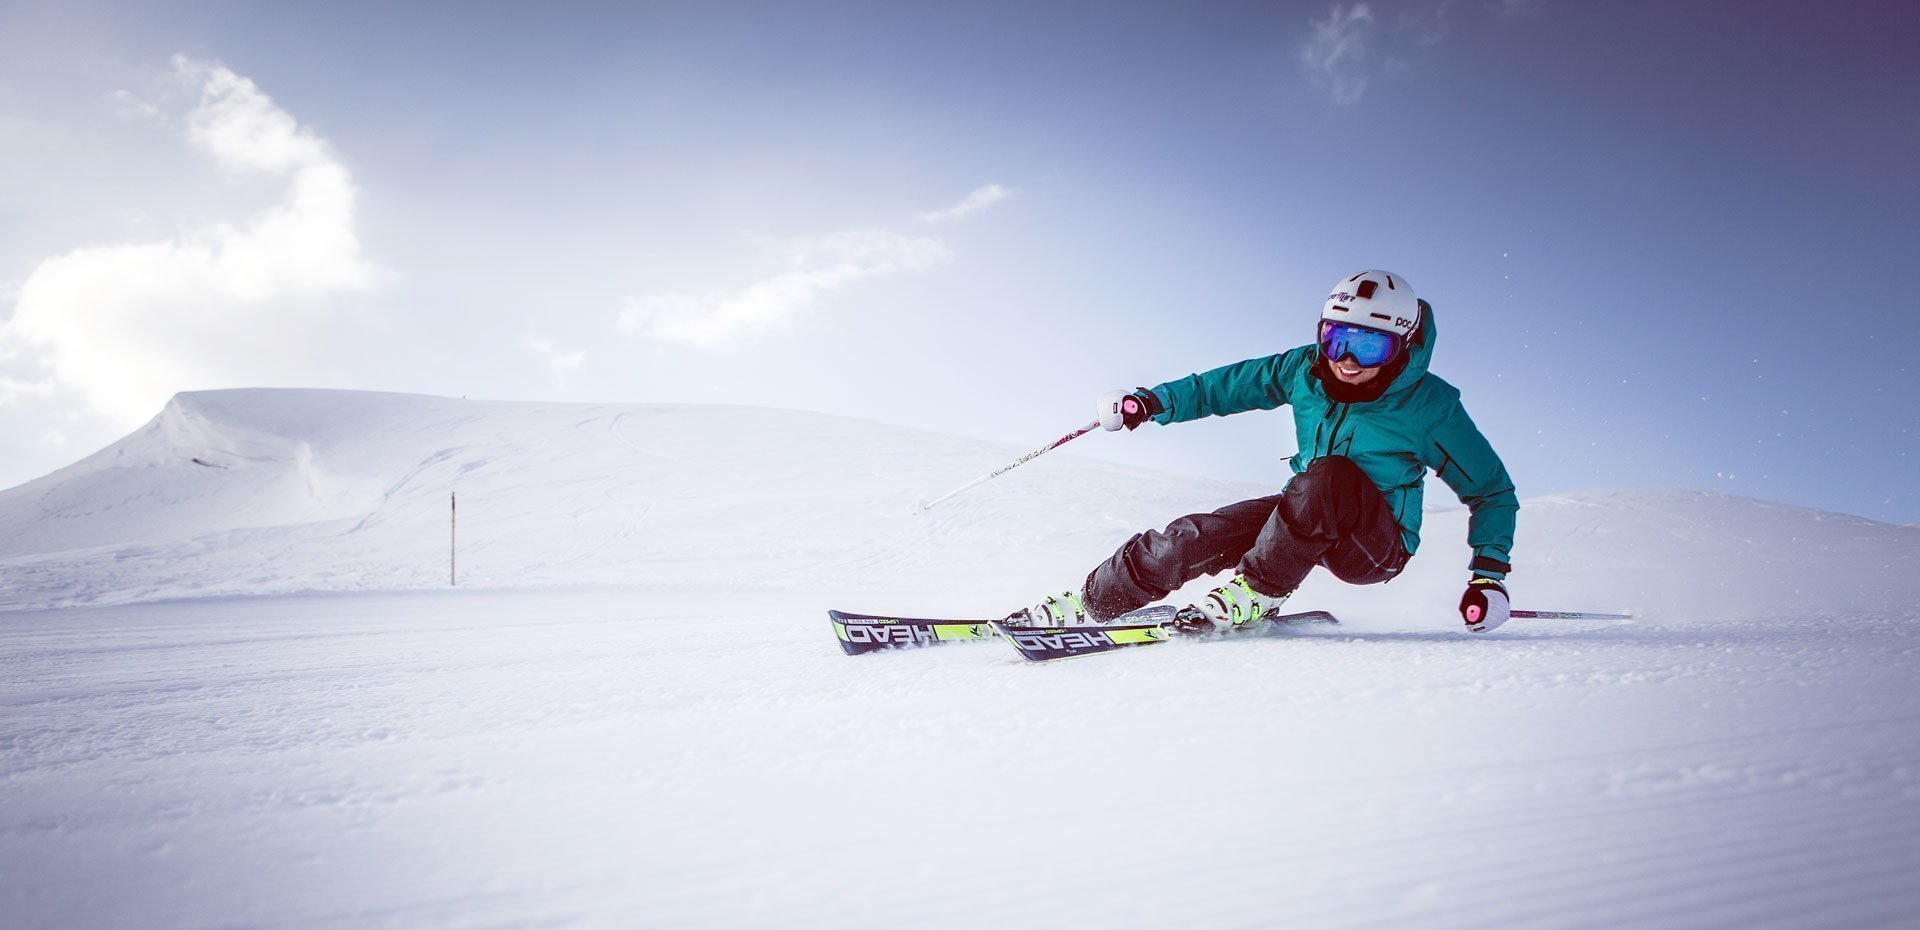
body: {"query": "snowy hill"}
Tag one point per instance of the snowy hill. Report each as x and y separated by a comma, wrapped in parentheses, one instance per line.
(275, 491)
(283, 490)
(631, 712)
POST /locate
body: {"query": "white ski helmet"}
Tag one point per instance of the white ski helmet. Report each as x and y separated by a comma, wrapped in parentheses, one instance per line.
(1375, 299)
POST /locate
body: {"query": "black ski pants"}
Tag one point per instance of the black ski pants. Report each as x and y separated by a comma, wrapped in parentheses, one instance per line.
(1330, 514)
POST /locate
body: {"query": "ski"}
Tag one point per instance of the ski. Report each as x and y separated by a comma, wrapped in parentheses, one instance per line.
(863, 633)
(1146, 628)
(859, 634)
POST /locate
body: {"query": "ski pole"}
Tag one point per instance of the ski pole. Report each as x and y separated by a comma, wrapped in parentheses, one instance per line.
(925, 506)
(1565, 615)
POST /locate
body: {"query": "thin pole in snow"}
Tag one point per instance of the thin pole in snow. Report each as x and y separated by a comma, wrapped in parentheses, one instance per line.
(924, 506)
(453, 538)
(1565, 615)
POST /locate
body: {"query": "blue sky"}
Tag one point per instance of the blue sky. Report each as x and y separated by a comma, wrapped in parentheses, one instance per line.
(1666, 243)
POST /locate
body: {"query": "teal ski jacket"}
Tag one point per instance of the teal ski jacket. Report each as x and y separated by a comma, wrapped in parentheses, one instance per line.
(1417, 424)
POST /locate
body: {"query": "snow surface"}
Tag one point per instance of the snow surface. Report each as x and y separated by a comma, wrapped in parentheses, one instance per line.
(239, 692)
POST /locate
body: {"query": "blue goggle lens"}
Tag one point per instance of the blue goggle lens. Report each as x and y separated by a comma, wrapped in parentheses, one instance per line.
(1371, 348)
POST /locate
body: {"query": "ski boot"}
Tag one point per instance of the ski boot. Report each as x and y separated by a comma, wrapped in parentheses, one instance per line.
(1228, 607)
(1058, 610)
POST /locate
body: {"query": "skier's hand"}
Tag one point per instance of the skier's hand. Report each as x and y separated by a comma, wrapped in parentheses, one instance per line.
(1127, 409)
(1484, 606)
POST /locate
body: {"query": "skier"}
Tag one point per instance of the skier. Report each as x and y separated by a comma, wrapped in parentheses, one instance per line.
(1370, 420)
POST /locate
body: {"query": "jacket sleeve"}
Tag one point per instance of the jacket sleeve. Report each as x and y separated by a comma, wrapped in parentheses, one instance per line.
(1255, 384)
(1464, 459)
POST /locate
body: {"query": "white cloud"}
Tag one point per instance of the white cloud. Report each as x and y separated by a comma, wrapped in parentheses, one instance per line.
(813, 267)
(810, 268)
(560, 364)
(1356, 45)
(981, 198)
(132, 106)
(125, 326)
(1335, 53)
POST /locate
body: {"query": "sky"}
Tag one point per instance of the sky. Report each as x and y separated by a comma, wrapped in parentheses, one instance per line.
(1666, 243)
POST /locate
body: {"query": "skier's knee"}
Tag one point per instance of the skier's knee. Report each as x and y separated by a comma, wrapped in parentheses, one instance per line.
(1153, 559)
(1328, 477)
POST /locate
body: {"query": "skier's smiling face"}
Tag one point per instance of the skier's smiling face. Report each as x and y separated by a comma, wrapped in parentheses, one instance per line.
(1350, 372)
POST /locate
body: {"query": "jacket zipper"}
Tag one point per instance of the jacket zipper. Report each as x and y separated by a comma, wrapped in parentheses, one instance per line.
(1322, 441)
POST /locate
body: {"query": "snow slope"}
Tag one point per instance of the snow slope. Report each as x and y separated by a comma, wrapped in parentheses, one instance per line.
(281, 491)
(277, 491)
(586, 734)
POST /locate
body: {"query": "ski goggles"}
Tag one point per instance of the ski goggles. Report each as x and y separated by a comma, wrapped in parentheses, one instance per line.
(1371, 348)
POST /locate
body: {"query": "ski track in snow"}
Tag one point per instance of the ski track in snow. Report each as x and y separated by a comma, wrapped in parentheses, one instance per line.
(589, 737)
